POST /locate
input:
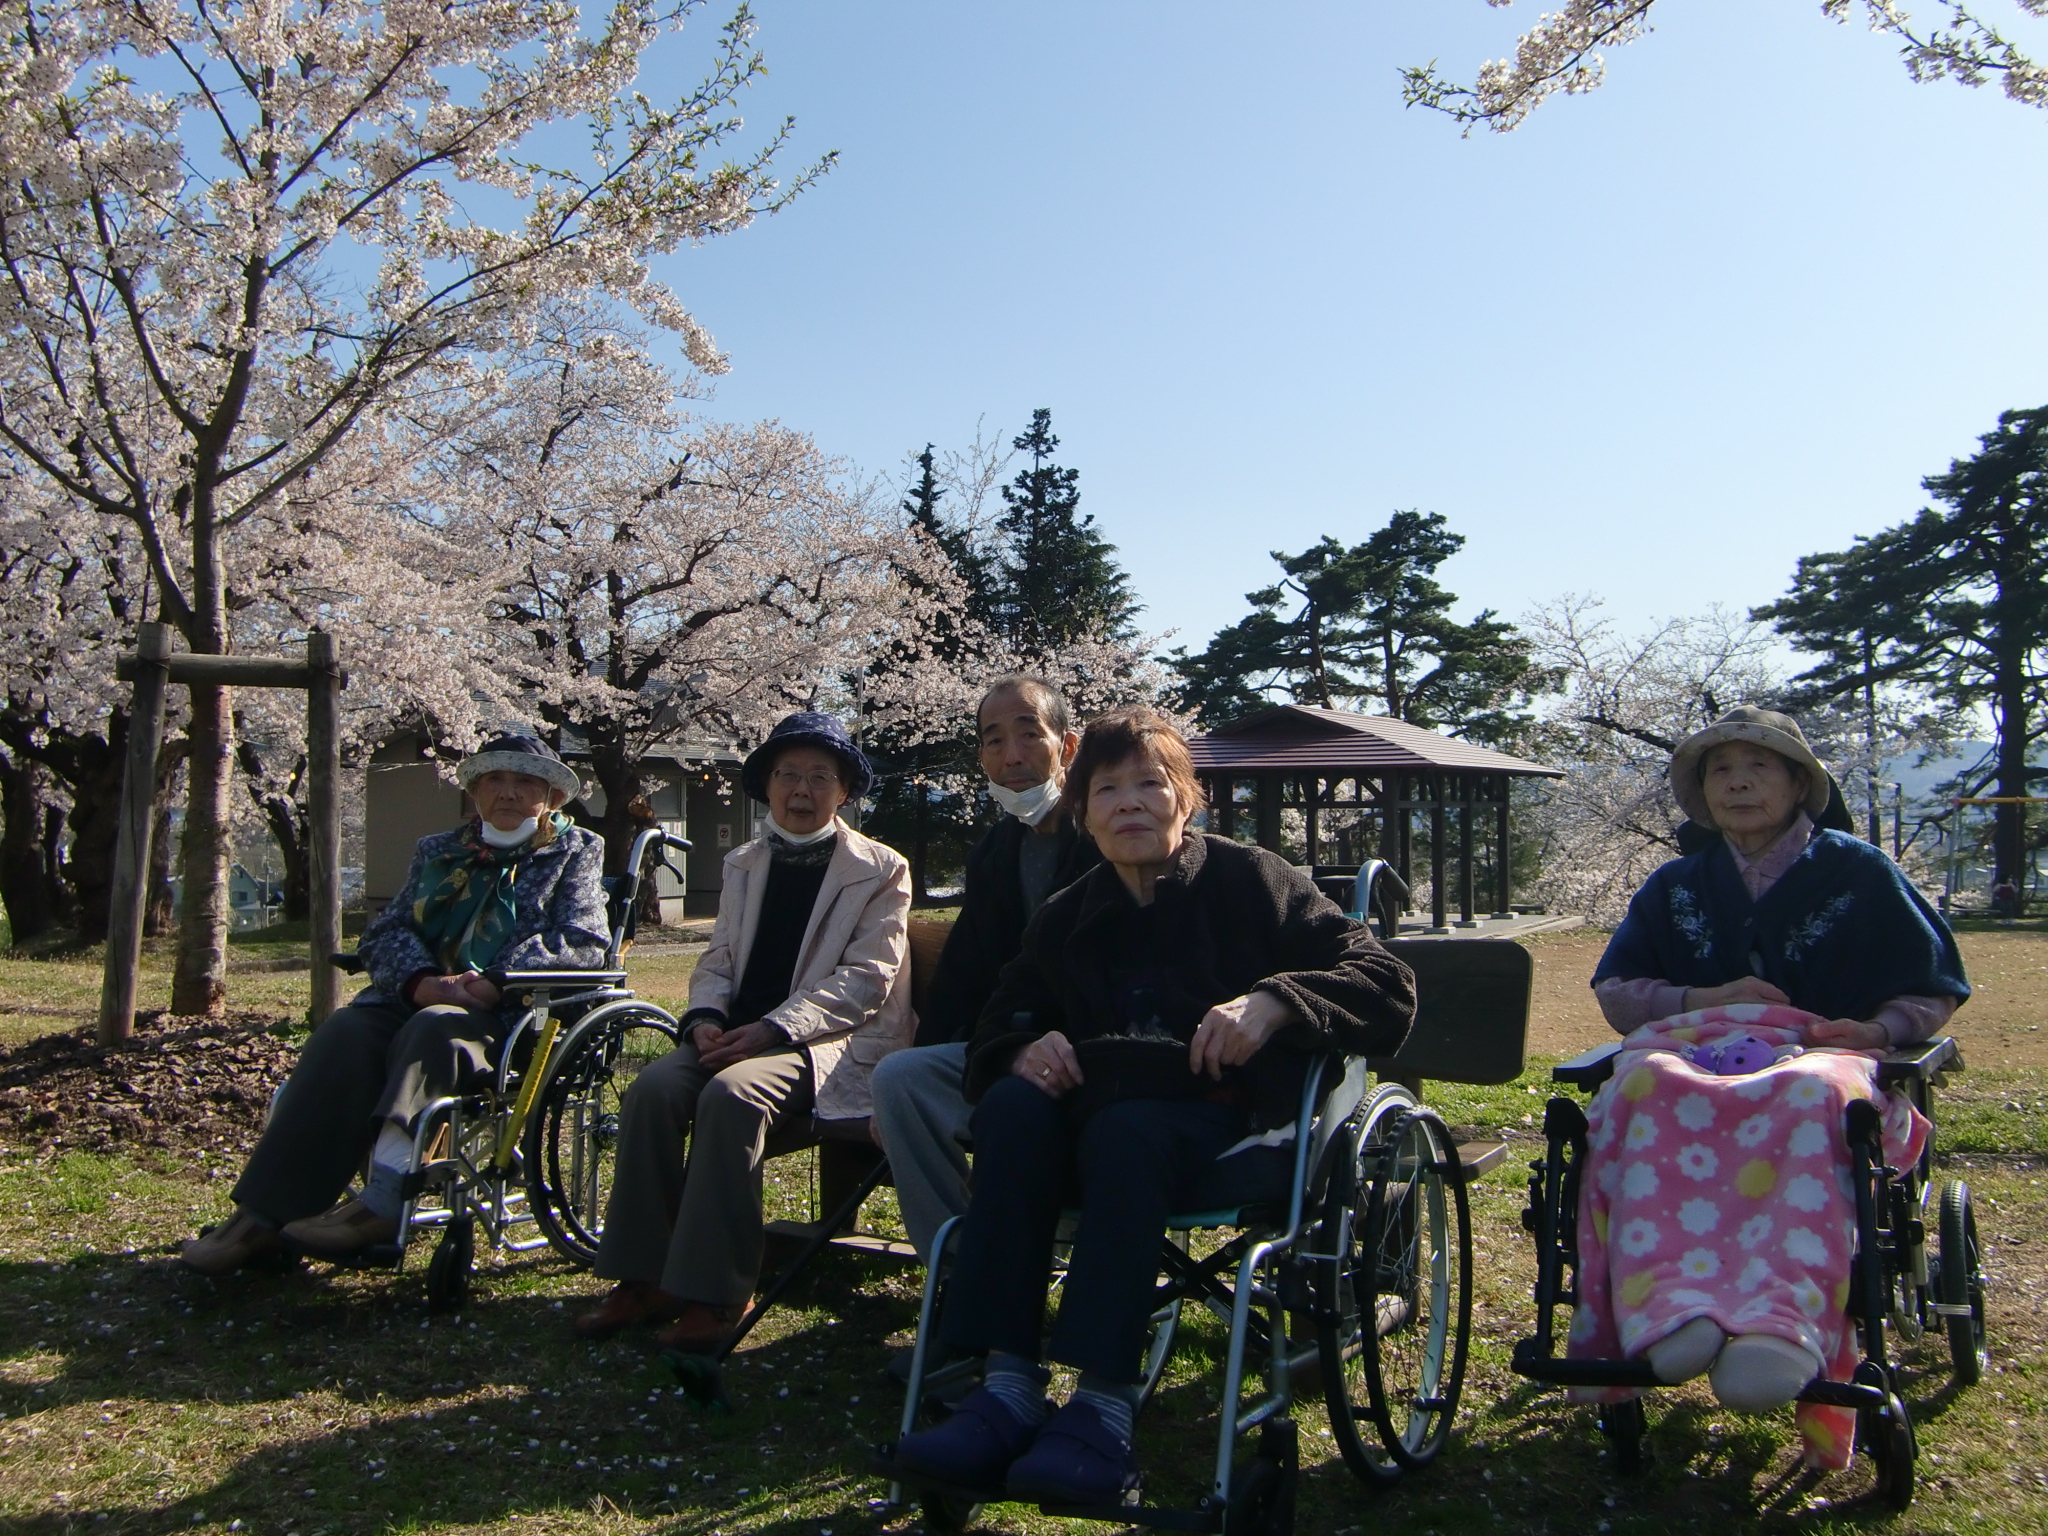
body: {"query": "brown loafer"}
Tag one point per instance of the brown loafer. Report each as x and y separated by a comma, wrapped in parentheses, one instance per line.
(699, 1328)
(230, 1245)
(342, 1232)
(629, 1304)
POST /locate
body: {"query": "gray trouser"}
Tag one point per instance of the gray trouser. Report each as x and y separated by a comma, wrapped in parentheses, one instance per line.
(362, 1067)
(922, 1116)
(685, 1211)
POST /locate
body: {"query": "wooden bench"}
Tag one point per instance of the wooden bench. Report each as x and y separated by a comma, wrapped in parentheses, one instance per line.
(847, 1154)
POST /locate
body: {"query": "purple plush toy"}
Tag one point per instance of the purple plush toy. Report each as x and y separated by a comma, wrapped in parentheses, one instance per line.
(1736, 1056)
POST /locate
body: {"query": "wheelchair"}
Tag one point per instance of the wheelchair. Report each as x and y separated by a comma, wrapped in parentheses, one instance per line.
(1900, 1283)
(1363, 1270)
(529, 1157)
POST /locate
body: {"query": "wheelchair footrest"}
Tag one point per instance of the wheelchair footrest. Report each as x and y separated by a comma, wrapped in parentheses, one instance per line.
(1562, 1372)
(372, 1256)
(1843, 1394)
(852, 1242)
(1480, 1157)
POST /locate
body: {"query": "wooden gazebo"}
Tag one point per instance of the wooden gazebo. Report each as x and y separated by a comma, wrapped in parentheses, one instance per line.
(1296, 757)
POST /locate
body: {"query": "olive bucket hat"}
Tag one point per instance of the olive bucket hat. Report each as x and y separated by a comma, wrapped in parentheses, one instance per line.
(1764, 727)
(807, 728)
(519, 754)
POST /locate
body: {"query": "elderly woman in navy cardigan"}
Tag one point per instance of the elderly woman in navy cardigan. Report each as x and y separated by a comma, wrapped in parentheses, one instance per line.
(517, 888)
(1144, 1053)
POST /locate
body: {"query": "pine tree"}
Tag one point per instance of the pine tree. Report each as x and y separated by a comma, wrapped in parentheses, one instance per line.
(1058, 579)
(1372, 628)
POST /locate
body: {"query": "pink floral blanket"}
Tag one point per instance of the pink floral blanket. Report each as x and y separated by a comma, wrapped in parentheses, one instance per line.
(1728, 1196)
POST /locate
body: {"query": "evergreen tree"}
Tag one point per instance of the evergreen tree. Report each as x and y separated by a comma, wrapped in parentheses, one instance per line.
(1955, 602)
(1057, 579)
(1370, 627)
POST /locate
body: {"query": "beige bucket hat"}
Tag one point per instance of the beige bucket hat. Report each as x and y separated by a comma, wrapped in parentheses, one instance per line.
(1765, 727)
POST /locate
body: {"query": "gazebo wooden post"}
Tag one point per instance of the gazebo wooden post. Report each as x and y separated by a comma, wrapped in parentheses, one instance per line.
(1436, 855)
(1503, 877)
(1465, 917)
(1312, 788)
(1222, 806)
(323, 820)
(130, 894)
(1269, 812)
(1404, 807)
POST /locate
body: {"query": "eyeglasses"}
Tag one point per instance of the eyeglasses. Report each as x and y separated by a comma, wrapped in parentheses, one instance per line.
(817, 783)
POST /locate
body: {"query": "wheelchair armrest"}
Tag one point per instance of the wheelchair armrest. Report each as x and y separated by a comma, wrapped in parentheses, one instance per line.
(1589, 1069)
(553, 981)
(1919, 1061)
(348, 962)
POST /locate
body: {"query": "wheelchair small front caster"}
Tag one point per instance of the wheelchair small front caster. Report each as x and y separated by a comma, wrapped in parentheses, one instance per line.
(701, 1378)
(948, 1514)
(1887, 1434)
(449, 1270)
(1262, 1503)
(1624, 1424)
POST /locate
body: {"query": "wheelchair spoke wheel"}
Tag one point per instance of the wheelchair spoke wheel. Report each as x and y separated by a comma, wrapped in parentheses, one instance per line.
(1415, 1288)
(1159, 1347)
(1959, 1283)
(570, 1145)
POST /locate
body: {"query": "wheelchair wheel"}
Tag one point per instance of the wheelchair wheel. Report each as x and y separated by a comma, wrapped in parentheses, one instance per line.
(1887, 1434)
(1263, 1498)
(1959, 1282)
(1624, 1424)
(449, 1270)
(1397, 1333)
(1159, 1348)
(571, 1137)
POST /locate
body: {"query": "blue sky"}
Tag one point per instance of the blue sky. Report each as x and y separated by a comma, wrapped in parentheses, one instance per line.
(1655, 345)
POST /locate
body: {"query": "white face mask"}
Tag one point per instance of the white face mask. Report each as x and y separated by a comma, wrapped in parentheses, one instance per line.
(1030, 806)
(800, 839)
(512, 839)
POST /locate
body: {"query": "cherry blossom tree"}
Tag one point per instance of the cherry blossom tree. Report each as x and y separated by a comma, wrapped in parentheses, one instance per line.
(1562, 54)
(232, 235)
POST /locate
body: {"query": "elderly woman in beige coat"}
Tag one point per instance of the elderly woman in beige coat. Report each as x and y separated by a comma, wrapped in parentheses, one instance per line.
(805, 986)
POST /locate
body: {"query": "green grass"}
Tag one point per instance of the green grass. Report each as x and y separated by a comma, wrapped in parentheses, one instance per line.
(327, 1402)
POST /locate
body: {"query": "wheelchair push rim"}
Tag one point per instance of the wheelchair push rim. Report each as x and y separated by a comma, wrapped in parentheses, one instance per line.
(1397, 1334)
(571, 1136)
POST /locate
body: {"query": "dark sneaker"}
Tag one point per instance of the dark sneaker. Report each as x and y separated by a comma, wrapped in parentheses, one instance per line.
(1076, 1459)
(226, 1248)
(972, 1449)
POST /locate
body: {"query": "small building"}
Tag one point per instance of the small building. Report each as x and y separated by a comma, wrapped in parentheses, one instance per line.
(693, 788)
(1353, 784)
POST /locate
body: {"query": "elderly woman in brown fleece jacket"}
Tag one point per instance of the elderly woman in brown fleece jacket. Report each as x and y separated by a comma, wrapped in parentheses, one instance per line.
(1144, 1053)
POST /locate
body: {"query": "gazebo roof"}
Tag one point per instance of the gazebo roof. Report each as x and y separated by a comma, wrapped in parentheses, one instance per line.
(1299, 738)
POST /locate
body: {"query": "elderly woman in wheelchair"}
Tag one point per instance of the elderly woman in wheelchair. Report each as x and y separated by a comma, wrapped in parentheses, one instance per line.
(1757, 979)
(805, 986)
(1144, 1053)
(517, 887)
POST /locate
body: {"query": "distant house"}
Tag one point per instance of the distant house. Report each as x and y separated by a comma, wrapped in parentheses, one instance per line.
(253, 902)
(693, 790)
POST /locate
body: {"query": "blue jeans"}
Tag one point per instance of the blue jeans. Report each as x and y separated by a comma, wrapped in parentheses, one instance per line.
(1129, 1166)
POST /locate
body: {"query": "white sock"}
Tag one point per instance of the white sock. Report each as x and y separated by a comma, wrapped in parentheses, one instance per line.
(393, 1149)
(1760, 1371)
(1687, 1351)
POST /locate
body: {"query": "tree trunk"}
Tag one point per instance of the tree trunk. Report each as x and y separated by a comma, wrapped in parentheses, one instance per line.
(199, 983)
(620, 781)
(160, 909)
(25, 887)
(95, 824)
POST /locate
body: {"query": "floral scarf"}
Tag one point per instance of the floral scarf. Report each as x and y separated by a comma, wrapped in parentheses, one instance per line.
(465, 910)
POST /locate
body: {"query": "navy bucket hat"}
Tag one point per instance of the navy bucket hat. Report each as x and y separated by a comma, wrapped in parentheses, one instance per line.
(520, 754)
(807, 728)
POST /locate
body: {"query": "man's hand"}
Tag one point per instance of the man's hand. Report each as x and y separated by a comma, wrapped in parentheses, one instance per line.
(1049, 1065)
(1744, 989)
(719, 1048)
(1855, 1034)
(1231, 1033)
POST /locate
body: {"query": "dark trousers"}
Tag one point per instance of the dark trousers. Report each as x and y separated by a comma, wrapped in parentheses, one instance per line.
(363, 1067)
(1128, 1167)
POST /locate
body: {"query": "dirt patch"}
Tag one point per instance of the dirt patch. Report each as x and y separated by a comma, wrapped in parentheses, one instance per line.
(2004, 1024)
(179, 1085)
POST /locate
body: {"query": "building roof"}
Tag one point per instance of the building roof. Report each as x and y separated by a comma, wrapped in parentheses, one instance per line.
(1299, 738)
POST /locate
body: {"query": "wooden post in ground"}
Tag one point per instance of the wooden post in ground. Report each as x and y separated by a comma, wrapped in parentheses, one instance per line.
(131, 845)
(323, 819)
